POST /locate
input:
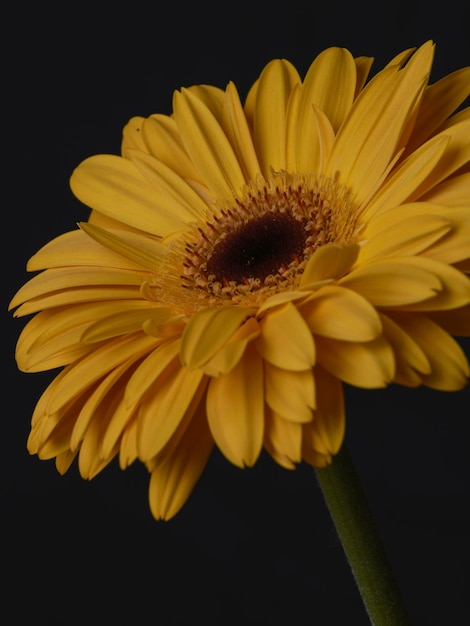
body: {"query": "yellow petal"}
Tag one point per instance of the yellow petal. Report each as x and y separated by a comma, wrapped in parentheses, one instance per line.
(370, 136)
(66, 278)
(114, 186)
(77, 248)
(409, 237)
(207, 332)
(132, 134)
(235, 410)
(411, 362)
(325, 433)
(172, 481)
(330, 85)
(453, 293)
(76, 378)
(229, 355)
(329, 262)
(110, 387)
(291, 395)
(66, 297)
(449, 366)
(439, 101)
(170, 185)
(370, 364)
(162, 140)
(340, 313)
(124, 322)
(456, 155)
(393, 282)
(161, 412)
(283, 440)
(276, 83)
(207, 145)
(238, 132)
(407, 177)
(286, 340)
(143, 251)
(149, 370)
(450, 192)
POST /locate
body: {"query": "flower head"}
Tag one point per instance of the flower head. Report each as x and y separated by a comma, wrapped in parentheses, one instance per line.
(244, 260)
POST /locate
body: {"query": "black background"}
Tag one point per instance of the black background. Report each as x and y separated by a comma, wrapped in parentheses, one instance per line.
(253, 546)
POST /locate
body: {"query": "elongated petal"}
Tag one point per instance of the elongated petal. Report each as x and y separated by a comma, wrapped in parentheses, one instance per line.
(393, 282)
(172, 482)
(235, 410)
(207, 145)
(290, 395)
(170, 185)
(239, 134)
(325, 433)
(208, 331)
(449, 365)
(230, 354)
(329, 262)
(75, 379)
(276, 83)
(330, 85)
(162, 140)
(77, 248)
(286, 340)
(115, 187)
(283, 440)
(371, 134)
(409, 237)
(439, 101)
(370, 365)
(407, 177)
(149, 370)
(161, 412)
(340, 313)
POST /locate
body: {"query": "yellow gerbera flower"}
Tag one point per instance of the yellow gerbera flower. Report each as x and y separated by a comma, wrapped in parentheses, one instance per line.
(242, 261)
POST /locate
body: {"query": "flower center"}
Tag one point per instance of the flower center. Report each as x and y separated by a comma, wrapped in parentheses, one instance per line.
(257, 246)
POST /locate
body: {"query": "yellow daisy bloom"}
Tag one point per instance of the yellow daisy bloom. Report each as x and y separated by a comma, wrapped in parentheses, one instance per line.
(244, 260)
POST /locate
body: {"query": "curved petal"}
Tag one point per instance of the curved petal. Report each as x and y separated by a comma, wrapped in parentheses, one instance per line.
(340, 313)
(394, 282)
(207, 145)
(370, 365)
(275, 85)
(114, 186)
(371, 134)
(329, 262)
(449, 366)
(330, 84)
(286, 340)
(172, 481)
(239, 134)
(291, 395)
(162, 140)
(161, 412)
(235, 410)
(411, 361)
(283, 440)
(325, 433)
(208, 331)
(438, 103)
(230, 354)
(408, 237)
(78, 248)
(170, 185)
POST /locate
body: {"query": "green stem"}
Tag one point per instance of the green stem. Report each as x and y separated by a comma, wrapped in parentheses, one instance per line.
(359, 536)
